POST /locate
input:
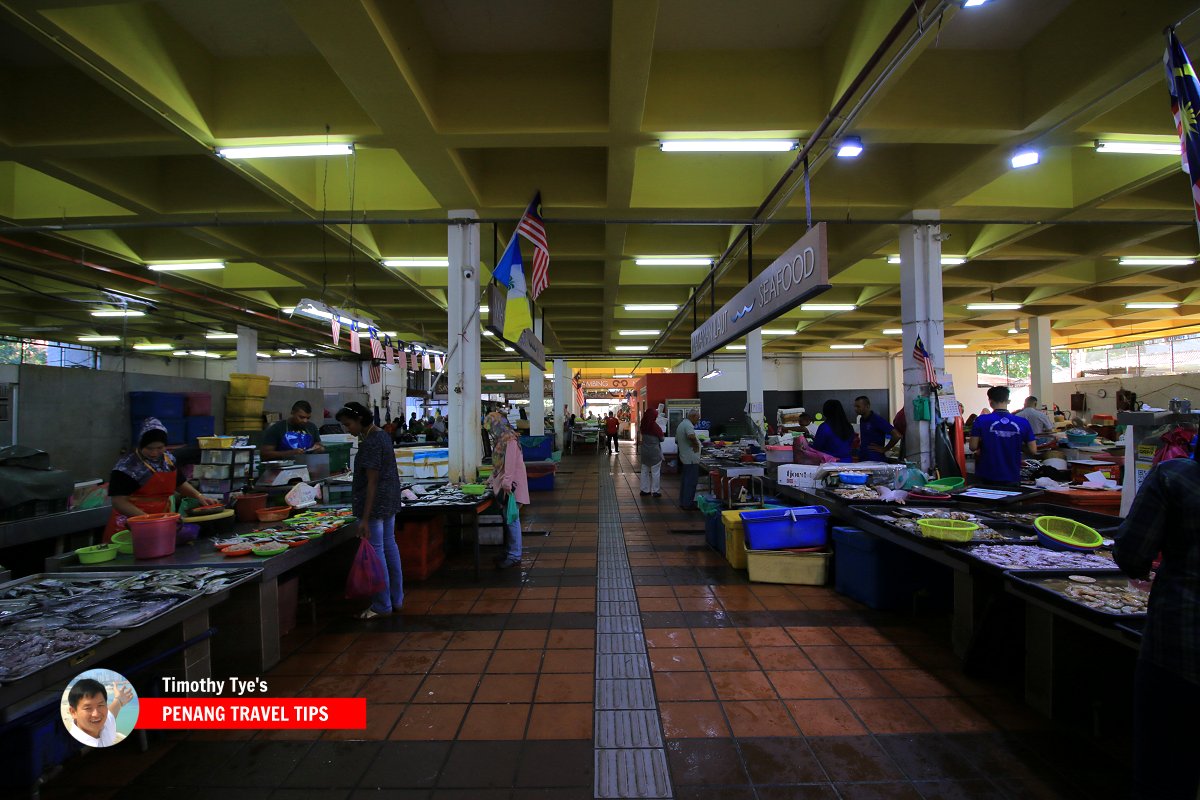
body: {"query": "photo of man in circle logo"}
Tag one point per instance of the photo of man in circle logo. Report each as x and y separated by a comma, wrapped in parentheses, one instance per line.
(92, 707)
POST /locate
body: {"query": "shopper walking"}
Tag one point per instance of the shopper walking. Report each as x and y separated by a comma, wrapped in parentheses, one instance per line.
(1165, 518)
(650, 453)
(612, 426)
(835, 437)
(689, 459)
(508, 478)
(375, 493)
(999, 441)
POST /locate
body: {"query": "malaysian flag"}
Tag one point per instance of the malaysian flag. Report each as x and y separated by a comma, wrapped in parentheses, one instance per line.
(335, 326)
(354, 345)
(376, 347)
(1185, 107)
(580, 397)
(921, 354)
(376, 372)
(388, 353)
(415, 361)
(425, 364)
(534, 230)
(438, 363)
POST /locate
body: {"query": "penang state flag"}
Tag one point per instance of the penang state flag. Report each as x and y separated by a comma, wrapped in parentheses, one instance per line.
(511, 272)
(1185, 106)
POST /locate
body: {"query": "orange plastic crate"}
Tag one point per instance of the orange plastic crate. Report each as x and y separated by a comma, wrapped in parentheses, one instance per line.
(422, 547)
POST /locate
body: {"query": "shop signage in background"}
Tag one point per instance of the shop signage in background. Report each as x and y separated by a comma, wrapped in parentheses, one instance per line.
(800, 273)
(528, 344)
(532, 348)
(608, 383)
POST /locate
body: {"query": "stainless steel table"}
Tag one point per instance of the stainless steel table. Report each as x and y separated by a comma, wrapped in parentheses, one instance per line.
(52, 526)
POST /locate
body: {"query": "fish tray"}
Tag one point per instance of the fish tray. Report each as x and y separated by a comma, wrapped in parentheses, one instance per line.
(1105, 524)
(99, 634)
(1040, 585)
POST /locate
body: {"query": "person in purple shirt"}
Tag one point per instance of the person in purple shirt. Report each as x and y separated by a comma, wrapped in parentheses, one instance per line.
(1000, 441)
(873, 430)
(835, 436)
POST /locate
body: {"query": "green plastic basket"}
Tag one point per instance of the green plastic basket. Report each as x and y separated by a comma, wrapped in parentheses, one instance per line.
(1058, 533)
(947, 530)
(473, 488)
(945, 484)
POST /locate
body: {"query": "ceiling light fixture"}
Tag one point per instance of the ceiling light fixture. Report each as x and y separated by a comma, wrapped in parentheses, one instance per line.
(631, 348)
(993, 307)
(735, 347)
(619, 377)
(286, 151)
(1013, 330)
(495, 377)
(673, 261)
(263, 355)
(1139, 148)
(488, 333)
(828, 307)
(153, 346)
(509, 350)
(99, 338)
(186, 266)
(1155, 261)
(850, 147)
(973, 3)
(505, 380)
(846, 346)
(119, 313)
(777, 332)
(727, 145)
(954, 347)
(220, 336)
(484, 309)
(712, 373)
(947, 261)
(893, 331)
(1025, 157)
(647, 332)
(417, 262)
(651, 307)
(206, 354)
(1151, 305)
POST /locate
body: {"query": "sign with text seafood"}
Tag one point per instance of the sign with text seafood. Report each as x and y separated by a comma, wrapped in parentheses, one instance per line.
(800, 273)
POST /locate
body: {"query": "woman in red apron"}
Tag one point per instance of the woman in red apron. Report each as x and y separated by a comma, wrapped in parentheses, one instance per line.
(144, 480)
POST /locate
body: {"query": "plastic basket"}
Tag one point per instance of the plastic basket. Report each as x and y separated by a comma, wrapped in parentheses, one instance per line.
(195, 427)
(707, 505)
(475, 489)
(197, 404)
(853, 480)
(783, 566)
(544, 483)
(215, 442)
(714, 532)
(155, 404)
(1081, 439)
(339, 456)
(782, 528)
(735, 539)
(944, 484)
(537, 448)
(241, 406)
(244, 385)
(948, 530)
(1060, 533)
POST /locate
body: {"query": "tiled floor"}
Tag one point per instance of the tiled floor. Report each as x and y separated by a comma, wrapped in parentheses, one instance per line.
(485, 690)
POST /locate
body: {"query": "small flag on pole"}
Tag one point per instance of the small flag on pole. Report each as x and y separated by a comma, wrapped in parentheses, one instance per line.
(580, 397)
(336, 326)
(415, 361)
(387, 350)
(438, 363)
(376, 347)
(425, 361)
(533, 229)
(376, 372)
(354, 345)
(1185, 106)
(922, 355)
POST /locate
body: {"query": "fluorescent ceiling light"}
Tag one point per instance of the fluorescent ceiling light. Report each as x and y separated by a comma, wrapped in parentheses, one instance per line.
(263, 355)
(204, 354)
(673, 261)
(646, 332)
(1025, 158)
(288, 310)
(973, 3)
(993, 306)
(1013, 330)
(850, 147)
(494, 377)
(1152, 305)
(954, 347)
(728, 145)
(180, 353)
(735, 347)
(509, 350)
(893, 331)
(778, 332)
(1154, 261)
(488, 333)
(1143, 148)
(846, 346)
(120, 313)
(220, 336)
(483, 309)
(651, 307)
(827, 307)
(99, 338)
(712, 373)
(153, 346)
(286, 351)
(193, 266)
(286, 151)
(947, 261)
(416, 262)
(622, 376)
(631, 348)
(504, 380)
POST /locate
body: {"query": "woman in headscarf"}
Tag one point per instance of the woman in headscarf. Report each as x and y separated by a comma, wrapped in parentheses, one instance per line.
(651, 453)
(145, 480)
(508, 478)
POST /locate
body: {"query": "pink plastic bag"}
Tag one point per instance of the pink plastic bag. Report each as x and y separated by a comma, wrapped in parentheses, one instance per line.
(804, 453)
(1175, 445)
(367, 574)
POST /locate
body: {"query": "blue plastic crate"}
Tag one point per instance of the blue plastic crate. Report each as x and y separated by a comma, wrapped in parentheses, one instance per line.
(537, 448)
(885, 576)
(714, 531)
(784, 528)
(156, 404)
(194, 427)
(176, 429)
(543, 484)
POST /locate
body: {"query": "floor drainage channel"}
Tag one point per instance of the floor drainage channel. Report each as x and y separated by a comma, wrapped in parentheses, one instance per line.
(630, 758)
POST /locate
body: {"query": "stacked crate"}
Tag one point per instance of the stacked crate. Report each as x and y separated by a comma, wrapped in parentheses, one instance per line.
(244, 403)
(166, 407)
(198, 417)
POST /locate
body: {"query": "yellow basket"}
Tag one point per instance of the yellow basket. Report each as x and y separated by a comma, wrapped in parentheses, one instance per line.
(244, 385)
(948, 530)
(239, 424)
(214, 442)
(237, 406)
(735, 539)
(781, 566)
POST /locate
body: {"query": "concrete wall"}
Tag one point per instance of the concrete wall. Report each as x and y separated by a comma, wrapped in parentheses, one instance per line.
(1157, 390)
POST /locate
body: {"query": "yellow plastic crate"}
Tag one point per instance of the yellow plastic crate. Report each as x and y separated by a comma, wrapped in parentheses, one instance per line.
(781, 566)
(735, 539)
(236, 406)
(244, 385)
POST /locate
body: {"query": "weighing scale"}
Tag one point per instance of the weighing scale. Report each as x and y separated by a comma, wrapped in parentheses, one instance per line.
(282, 475)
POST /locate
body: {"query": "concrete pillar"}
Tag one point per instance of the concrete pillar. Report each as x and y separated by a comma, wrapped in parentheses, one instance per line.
(1041, 365)
(463, 371)
(562, 394)
(247, 350)
(920, 315)
(754, 378)
(537, 391)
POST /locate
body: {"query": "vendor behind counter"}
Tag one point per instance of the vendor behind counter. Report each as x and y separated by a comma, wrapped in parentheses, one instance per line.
(294, 436)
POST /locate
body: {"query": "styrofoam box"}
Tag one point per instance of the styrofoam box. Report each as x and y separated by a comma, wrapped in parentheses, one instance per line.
(799, 476)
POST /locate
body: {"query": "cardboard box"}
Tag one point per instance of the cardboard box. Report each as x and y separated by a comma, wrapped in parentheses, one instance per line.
(798, 476)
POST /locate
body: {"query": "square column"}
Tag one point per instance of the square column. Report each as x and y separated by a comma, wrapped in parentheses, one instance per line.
(754, 378)
(247, 350)
(537, 391)
(920, 315)
(562, 393)
(1041, 366)
(463, 335)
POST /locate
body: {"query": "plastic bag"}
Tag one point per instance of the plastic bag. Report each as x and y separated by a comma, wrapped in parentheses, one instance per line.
(804, 453)
(511, 512)
(367, 575)
(301, 496)
(1175, 445)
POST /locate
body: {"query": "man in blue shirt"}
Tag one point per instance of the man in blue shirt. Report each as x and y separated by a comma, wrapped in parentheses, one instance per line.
(1000, 440)
(873, 431)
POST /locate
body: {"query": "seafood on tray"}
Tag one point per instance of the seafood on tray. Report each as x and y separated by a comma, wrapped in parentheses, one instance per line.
(1111, 596)
(25, 652)
(981, 534)
(856, 493)
(1020, 556)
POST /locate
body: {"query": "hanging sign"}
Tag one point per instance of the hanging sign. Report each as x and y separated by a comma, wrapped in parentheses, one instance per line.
(800, 273)
(607, 383)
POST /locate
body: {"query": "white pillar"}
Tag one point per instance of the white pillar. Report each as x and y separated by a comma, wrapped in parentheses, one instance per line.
(463, 371)
(247, 350)
(754, 378)
(562, 391)
(920, 314)
(1041, 365)
(537, 391)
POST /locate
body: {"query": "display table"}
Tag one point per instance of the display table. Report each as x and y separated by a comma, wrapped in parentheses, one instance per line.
(52, 526)
(473, 509)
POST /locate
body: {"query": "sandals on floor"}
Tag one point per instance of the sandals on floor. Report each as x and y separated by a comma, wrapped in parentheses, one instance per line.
(369, 613)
